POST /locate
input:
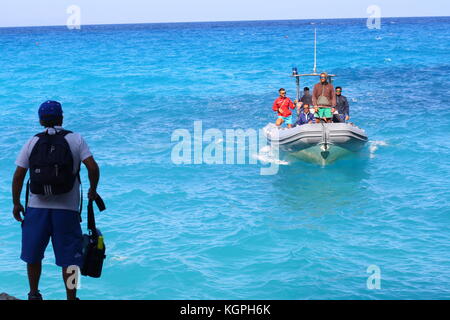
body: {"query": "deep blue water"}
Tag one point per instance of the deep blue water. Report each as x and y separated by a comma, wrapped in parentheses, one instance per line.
(225, 231)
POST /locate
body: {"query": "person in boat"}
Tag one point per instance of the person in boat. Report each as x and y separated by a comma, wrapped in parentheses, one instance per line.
(306, 116)
(283, 106)
(342, 111)
(324, 98)
(305, 99)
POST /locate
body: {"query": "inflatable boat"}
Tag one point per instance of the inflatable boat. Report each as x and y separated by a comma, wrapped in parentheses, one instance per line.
(318, 142)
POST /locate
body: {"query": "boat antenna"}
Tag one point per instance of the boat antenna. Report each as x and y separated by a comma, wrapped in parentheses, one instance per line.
(315, 50)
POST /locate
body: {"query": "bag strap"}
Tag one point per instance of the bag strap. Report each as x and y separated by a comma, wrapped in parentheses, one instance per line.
(81, 192)
(81, 197)
(91, 217)
(282, 104)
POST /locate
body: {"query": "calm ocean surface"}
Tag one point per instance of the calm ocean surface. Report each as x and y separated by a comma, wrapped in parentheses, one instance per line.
(225, 231)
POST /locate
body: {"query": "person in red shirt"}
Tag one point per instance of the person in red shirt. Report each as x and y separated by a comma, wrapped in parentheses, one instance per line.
(283, 106)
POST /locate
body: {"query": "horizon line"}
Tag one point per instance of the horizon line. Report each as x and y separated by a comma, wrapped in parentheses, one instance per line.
(216, 21)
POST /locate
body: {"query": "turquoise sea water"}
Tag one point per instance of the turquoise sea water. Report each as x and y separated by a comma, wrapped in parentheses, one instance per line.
(224, 231)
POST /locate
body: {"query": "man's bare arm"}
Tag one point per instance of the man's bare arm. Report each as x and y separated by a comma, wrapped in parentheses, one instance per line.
(17, 185)
(94, 176)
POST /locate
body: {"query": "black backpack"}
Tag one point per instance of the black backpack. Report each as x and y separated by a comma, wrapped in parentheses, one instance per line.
(51, 164)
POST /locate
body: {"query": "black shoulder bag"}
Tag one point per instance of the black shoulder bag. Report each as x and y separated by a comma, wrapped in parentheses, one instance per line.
(93, 244)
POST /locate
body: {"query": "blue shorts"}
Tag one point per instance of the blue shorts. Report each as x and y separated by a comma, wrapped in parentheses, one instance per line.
(62, 226)
(287, 120)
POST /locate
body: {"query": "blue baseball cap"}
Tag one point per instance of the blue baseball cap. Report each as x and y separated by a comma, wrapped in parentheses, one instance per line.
(50, 109)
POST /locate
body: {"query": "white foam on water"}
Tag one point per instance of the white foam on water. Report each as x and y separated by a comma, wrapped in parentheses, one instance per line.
(269, 127)
(374, 145)
(265, 149)
(266, 155)
(119, 258)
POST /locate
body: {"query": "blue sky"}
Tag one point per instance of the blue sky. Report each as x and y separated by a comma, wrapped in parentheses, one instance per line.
(53, 12)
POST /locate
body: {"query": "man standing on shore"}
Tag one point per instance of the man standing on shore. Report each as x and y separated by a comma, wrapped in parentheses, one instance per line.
(53, 205)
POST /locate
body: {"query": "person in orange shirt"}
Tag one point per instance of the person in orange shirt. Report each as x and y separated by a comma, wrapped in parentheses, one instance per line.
(283, 106)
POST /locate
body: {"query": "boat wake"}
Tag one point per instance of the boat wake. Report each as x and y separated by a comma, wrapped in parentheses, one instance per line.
(374, 145)
(267, 155)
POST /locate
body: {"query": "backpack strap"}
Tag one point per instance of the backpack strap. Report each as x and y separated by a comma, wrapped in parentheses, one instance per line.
(81, 193)
(27, 194)
(63, 132)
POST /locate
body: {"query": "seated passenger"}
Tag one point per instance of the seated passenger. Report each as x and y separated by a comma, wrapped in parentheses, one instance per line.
(306, 116)
(341, 113)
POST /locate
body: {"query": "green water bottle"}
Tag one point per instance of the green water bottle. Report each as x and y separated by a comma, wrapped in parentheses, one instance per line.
(100, 243)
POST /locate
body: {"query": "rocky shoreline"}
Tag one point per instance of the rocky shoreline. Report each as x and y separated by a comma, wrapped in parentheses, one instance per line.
(5, 296)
